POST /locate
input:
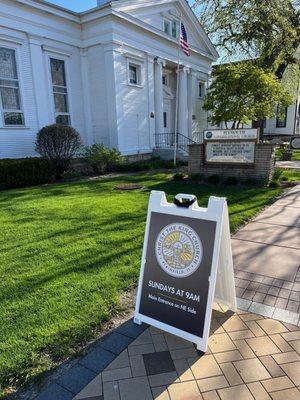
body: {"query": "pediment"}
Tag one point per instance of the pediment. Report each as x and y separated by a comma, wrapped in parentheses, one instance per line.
(154, 12)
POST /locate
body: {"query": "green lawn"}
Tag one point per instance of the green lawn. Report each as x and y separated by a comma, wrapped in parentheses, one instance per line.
(68, 251)
(296, 155)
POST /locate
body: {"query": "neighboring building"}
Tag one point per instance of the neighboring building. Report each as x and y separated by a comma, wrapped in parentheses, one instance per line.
(110, 72)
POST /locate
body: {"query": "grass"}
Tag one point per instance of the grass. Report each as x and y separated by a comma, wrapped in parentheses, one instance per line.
(296, 155)
(67, 253)
(290, 175)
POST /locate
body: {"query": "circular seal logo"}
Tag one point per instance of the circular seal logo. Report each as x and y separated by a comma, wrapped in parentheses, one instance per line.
(178, 250)
(209, 135)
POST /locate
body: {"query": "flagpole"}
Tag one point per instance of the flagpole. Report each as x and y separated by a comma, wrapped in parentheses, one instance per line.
(177, 92)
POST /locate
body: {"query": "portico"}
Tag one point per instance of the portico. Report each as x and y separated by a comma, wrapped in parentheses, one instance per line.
(166, 90)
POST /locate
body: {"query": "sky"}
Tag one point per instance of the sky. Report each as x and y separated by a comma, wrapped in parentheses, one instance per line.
(75, 5)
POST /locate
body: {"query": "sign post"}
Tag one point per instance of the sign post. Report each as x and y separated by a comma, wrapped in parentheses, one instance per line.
(186, 265)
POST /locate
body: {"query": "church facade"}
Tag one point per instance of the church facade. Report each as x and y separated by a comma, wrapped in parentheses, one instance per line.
(110, 72)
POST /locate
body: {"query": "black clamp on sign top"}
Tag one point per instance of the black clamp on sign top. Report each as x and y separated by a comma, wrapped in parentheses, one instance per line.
(184, 201)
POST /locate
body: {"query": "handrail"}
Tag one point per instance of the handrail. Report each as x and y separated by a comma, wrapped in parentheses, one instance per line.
(167, 141)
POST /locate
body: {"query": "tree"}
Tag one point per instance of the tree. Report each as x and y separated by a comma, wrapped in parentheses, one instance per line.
(267, 31)
(242, 92)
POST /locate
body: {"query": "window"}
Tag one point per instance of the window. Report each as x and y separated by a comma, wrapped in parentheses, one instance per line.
(60, 92)
(201, 89)
(281, 117)
(10, 98)
(167, 26)
(165, 120)
(171, 27)
(135, 74)
(165, 79)
(174, 29)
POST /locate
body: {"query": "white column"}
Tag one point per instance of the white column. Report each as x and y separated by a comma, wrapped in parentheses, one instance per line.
(151, 101)
(40, 79)
(192, 94)
(159, 96)
(183, 102)
(86, 97)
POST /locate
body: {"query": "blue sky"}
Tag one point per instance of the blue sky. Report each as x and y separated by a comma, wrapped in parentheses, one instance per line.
(75, 5)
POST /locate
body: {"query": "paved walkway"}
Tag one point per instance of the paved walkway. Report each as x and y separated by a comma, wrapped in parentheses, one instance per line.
(267, 258)
(288, 164)
(250, 357)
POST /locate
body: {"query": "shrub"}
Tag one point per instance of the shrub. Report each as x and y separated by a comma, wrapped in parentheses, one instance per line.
(179, 176)
(273, 184)
(196, 177)
(25, 172)
(214, 179)
(58, 143)
(231, 180)
(277, 174)
(101, 158)
(251, 182)
(71, 174)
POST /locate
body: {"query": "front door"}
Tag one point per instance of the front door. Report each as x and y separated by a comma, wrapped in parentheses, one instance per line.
(167, 117)
(167, 139)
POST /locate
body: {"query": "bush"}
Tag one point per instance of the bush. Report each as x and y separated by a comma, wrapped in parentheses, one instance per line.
(277, 174)
(231, 180)
(58, 143)
(251, 182)
(273, 184)
(25, 172)
(179, 176)
(196, 177)
(101, 158)
(214, 179)
(71, 174)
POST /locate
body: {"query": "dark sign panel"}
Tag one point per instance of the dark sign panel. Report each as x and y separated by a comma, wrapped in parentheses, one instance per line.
(176, 275)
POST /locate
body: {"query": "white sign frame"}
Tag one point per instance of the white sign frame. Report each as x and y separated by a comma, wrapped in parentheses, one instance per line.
(221, 280)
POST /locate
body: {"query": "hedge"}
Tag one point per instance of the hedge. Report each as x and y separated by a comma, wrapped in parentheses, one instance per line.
(23, 172)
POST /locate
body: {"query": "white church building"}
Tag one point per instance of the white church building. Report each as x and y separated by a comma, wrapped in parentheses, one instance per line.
(110, 72)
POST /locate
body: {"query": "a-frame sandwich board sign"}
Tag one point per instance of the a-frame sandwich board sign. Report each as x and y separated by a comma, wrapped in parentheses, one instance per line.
(186, 265)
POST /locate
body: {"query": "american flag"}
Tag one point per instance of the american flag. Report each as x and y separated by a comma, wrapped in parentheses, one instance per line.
(184, 41)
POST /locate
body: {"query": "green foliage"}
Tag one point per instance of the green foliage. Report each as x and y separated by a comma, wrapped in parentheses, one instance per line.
(71, 174)
(68, 254)
(268, 31)
(179, 176)
(274, 184)
(214, 179)
(242, 92)
(101, 158)
(25, 172)
(231, 180)
(196, 177)
(58, 143)
(277, 174)
(252, 182)
(296, 155)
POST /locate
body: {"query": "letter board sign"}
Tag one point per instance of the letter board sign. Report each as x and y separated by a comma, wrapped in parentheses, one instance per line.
(178, 276)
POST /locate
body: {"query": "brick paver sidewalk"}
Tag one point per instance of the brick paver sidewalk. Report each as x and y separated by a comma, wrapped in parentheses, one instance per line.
(250, 357)
(267, 257)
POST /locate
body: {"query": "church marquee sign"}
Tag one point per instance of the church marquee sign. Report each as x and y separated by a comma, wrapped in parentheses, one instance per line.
(230, 146)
